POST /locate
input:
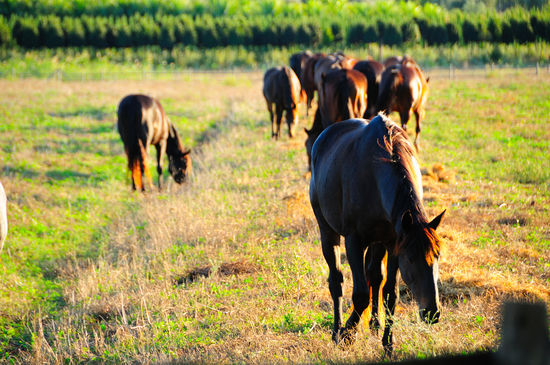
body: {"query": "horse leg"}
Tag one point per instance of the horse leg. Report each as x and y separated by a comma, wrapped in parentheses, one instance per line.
(391, 295)
(355, 251)
(161, 149)
(272, 118)
(330, 242)
(279, 111)
(143, 165)
(376, 276)
(419, 116)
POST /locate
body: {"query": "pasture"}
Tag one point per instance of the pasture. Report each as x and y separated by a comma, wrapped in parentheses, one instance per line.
(228, 268)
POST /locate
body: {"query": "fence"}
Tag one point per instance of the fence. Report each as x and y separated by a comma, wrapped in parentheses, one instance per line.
(451, 72)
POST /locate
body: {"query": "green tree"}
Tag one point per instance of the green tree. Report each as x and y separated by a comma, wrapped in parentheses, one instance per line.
(5, 32)
(25, 32)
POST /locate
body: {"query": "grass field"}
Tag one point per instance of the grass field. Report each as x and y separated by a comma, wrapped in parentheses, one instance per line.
(228, 268)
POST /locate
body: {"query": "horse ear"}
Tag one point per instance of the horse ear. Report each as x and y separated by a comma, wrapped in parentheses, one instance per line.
(427, 79)
(407, 220)
(307, 131)
(323, 75)
(187, 152)
(435, 222)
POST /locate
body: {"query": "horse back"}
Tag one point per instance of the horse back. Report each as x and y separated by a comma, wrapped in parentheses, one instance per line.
(142, 117)
(354, 179)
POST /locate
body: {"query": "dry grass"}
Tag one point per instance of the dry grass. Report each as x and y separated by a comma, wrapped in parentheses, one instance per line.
(228, 268)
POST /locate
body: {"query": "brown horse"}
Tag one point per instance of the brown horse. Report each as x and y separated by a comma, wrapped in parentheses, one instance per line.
(373, 72)
(298, 61)
(404, 89)
(3, 217)
(366, 186)
(307, 78)
(342, 95)
(141, 123)
(282, 88)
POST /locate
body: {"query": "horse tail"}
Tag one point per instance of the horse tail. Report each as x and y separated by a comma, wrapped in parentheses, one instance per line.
(346, 102)
(287, 87)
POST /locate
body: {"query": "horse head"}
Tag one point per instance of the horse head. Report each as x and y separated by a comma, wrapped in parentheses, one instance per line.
(418, 262)
(180, 166)
(179, 161)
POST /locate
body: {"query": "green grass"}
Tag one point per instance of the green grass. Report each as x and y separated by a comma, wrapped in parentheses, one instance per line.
(93, 272)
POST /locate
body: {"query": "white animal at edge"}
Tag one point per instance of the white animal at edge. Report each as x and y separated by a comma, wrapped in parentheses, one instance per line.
(3, 217)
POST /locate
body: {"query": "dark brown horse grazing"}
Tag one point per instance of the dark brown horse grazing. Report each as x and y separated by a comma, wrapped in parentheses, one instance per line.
(404, 89)
(366, 186)
(282, 88)
(373, 72)
(141, 123)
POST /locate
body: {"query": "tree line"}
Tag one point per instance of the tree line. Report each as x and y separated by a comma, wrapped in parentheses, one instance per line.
(167, 31)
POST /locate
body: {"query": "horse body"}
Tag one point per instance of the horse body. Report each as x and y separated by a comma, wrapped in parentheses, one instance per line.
(366, 186)
(404, 89)
(3, 216)
(141, 123)
(373, 72)
(282, 89)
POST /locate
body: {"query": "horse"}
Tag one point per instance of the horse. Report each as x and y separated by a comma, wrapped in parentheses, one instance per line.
(282, 88)
(404, 89)
(298, 61)
(366, 186)
(141, 123)
(373, 72)
(307, 78)
(3, 217)
(342, 95)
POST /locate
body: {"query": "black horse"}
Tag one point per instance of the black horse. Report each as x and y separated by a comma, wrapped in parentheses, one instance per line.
(366, 186)
(141, 123)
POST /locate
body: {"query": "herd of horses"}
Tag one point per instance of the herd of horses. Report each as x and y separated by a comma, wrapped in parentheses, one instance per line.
(365, 179)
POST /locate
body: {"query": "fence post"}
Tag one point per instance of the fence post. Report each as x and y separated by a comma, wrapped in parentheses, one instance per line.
(537, 69)
(524, 335)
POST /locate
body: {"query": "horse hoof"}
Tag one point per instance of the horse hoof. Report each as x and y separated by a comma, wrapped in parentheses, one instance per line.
(344, 337)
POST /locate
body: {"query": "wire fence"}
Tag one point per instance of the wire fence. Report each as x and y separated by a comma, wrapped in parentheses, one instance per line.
(451, 72)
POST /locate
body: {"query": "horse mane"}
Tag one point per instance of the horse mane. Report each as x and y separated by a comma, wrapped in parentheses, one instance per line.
(408, 204)
(174, 146)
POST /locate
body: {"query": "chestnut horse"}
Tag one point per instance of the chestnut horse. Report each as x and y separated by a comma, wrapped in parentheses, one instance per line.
(342, 95)
(3, 217)
(404, 89)
(366, 186)
(373, 72)
(141, 123)
(282, 88)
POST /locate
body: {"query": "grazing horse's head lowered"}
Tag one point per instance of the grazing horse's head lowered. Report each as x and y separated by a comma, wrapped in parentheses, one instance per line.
(366, 186)
(179, 161)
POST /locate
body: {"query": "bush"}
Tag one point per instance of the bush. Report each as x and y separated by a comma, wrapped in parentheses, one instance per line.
(470, 31)
(25, 32)
(5, 32)
(410, 32)
(454, 34)
(75, 35)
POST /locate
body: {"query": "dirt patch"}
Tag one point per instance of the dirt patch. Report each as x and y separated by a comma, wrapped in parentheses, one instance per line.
(513, 221)
(225, 269)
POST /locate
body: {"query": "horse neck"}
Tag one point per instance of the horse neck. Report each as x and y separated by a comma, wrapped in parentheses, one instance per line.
(173, 143)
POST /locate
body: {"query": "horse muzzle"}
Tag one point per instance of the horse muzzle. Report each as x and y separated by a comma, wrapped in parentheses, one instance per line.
(430, 316)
